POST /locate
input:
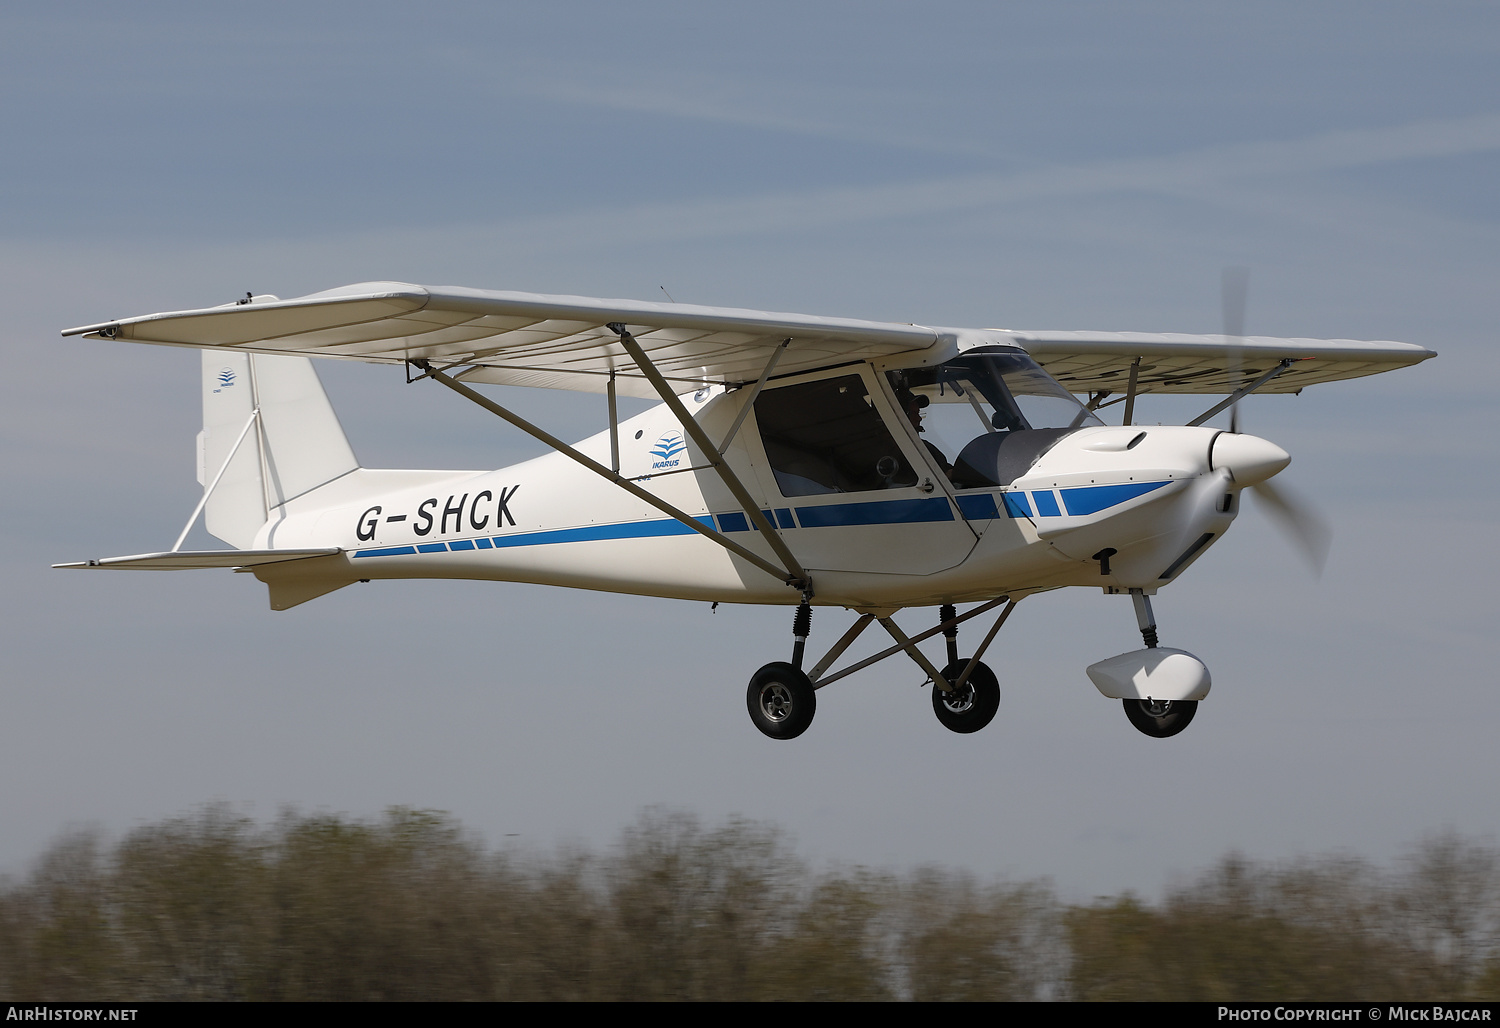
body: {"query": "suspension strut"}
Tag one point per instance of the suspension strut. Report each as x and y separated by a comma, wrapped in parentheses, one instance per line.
(947, 612)
(801, 629)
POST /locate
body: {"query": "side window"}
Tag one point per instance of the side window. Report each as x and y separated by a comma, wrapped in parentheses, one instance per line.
(827, 437)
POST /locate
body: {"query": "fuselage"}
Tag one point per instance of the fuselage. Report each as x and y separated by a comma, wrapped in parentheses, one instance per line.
(1113, 507)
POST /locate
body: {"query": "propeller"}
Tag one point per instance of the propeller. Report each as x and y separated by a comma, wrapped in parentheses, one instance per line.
(1299, 521)
(1293, 516)
(1234, 289)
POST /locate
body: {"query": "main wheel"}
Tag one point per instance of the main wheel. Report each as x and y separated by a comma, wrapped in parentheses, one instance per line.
(1160, 719)
(971, 708)
(781, 701)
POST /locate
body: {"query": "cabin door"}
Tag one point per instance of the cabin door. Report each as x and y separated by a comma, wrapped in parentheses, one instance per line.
(850, 493)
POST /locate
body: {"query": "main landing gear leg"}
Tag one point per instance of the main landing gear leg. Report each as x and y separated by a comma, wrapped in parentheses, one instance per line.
(1160, 719)
(946, 614)
(1144, 617)
(780, 697)
(974, 698)
(801, 629)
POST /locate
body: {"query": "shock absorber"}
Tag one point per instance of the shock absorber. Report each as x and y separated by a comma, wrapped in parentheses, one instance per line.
(801, 629)
(1144, 617)
(947, 612)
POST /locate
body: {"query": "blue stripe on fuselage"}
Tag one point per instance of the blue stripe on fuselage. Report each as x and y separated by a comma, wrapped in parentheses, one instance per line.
(1092, 499)
(588, 533)
(1080, 501)
(881, 512)
(978, 506)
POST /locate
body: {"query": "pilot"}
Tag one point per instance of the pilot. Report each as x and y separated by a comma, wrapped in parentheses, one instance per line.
(913, 403)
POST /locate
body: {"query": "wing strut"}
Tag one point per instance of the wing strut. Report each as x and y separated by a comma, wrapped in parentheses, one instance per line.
(1235, 396)
(799, 577)
(613, 476)
(614, 426)
(1135, 380)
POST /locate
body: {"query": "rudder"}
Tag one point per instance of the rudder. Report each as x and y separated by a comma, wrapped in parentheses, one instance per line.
(294, 445)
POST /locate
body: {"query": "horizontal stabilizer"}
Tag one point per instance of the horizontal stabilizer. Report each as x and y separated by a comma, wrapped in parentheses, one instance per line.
(192, 560)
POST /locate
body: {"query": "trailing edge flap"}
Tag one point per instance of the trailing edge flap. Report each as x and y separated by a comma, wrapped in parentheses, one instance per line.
(192, 560)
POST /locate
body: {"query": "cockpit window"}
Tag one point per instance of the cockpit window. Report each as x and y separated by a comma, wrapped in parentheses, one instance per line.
(986, 402)
(828, 437)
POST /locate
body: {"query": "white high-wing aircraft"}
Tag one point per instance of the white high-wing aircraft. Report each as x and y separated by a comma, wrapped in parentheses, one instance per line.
(794, 460)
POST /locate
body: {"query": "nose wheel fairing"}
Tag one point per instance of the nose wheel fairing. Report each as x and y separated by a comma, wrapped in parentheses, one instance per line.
(1159, 686)
(1160, 673)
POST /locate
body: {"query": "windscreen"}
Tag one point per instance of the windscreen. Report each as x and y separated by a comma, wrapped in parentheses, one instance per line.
(988, 392)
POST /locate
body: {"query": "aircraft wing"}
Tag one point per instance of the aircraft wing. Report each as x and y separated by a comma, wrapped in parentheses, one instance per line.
(564, 342)
(528, 339)
(190, 560)
(1087, 362)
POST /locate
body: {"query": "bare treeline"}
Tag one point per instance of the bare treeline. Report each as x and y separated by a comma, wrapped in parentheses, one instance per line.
(411, 907)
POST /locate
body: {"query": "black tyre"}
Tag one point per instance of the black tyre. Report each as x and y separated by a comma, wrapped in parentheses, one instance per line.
(973, 706)
(1160, 719)
(781, 701)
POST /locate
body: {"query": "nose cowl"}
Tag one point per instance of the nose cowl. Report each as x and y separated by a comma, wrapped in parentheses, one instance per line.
(1249, 459)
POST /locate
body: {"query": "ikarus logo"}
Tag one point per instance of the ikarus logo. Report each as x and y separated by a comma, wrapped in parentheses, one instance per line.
(225, 379)
(666, 450)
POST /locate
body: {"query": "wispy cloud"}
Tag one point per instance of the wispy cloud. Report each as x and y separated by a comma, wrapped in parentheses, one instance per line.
(1195, 172)
(789, 111)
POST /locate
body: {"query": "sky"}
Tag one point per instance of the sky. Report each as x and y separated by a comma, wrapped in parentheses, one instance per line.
(1035, 166)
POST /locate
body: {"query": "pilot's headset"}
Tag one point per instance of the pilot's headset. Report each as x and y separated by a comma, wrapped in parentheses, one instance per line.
(908, 399)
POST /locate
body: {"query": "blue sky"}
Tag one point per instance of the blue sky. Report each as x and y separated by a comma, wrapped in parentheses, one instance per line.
(1064, 166)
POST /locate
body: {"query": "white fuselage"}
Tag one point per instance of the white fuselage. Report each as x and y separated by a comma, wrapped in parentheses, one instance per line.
(1151, 495)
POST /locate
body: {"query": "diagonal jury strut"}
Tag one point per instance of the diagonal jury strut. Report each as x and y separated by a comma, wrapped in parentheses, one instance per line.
(604, 472)
(799, 576)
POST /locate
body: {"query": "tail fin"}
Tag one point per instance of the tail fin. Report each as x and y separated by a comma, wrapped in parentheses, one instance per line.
(294, 445)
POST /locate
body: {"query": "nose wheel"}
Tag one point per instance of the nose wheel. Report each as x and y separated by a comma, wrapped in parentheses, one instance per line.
(1160, 719)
